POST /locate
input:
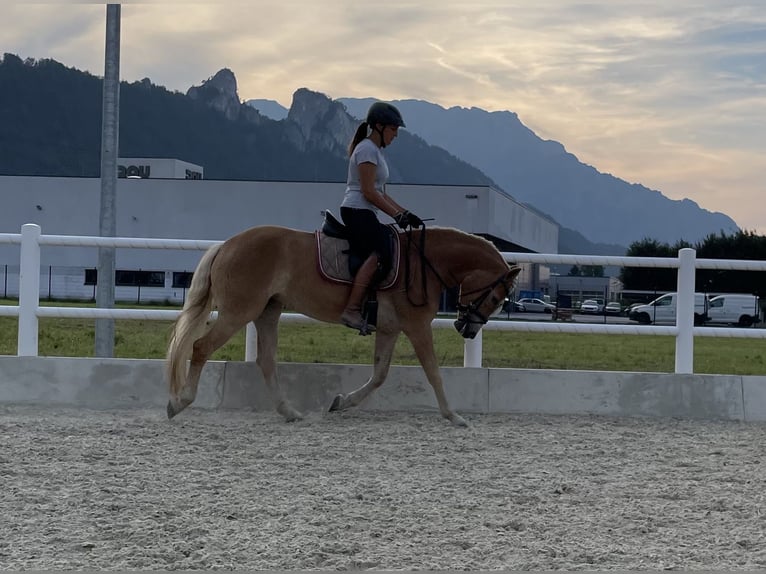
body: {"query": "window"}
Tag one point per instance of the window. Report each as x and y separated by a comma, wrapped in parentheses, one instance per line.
(124, 278)
(91, 276)
(182, 279)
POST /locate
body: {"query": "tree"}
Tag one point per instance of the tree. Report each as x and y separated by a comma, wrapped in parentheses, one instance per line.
(649, 278)
(741, 245)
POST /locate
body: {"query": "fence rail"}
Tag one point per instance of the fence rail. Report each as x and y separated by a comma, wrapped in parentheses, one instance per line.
(29, 310)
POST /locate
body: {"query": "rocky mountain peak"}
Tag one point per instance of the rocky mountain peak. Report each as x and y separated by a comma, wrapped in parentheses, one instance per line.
(225, 82)
(220, 93)
(323, 122)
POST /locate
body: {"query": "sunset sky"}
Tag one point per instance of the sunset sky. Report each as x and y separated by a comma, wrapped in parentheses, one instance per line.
(671, 95)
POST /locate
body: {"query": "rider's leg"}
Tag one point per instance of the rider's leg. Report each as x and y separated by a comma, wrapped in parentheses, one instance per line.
(352, 314)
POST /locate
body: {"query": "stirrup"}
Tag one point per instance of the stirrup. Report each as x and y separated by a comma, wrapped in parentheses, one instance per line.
(363, 327)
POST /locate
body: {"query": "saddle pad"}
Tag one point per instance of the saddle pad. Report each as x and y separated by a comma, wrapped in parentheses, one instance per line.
(333, 262)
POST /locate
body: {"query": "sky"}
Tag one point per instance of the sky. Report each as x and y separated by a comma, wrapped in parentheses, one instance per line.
(671, 95)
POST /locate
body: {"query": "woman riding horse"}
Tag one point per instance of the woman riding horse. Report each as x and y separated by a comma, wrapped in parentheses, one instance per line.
(365, 195)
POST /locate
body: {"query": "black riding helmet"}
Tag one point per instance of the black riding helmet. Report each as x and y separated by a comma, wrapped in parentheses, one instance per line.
(385, 114)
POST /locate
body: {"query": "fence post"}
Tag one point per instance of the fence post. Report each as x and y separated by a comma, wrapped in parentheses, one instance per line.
(472, 351)
(685, 311)
(251, 343)
(29, 290)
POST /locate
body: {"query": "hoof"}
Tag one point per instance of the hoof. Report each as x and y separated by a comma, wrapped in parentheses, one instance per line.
(291, 415)
(335, 406)
(175, 407)
(458, 421)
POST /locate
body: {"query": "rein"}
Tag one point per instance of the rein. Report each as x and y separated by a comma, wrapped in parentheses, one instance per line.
(424, 263)
(468, 314)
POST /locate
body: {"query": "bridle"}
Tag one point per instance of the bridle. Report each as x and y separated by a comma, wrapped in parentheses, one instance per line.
(469, 313)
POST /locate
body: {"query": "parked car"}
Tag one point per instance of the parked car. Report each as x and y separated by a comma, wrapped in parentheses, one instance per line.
(591, 306)
(530, 305)
(613, 308)
(663, 310)
(734, 308)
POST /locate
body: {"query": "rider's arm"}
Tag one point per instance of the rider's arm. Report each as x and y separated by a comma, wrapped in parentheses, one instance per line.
(367, 184)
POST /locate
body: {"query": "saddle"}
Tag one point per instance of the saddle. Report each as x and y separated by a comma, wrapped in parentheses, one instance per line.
(338, 263)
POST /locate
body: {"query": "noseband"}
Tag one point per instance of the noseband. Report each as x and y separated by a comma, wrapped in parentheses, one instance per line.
(470, 314)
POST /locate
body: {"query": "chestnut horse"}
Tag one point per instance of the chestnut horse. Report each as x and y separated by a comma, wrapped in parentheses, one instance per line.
(256, 274)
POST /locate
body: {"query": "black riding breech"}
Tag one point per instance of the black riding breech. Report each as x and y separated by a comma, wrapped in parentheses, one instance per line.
(367, 234)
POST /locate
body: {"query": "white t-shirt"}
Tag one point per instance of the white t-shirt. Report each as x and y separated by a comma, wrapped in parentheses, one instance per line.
(365, 152)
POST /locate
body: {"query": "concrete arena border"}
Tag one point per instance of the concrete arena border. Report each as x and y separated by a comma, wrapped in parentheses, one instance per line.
(124, 383)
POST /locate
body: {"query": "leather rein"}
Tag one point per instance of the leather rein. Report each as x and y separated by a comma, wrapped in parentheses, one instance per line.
(465, 312)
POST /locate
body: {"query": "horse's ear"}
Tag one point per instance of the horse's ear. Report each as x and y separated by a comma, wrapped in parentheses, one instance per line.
(512, 273)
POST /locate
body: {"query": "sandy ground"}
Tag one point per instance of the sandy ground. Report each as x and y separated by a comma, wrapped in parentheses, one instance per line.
(127, 489)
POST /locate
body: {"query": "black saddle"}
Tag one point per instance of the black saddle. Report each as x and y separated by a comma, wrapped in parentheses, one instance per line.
(332, 227)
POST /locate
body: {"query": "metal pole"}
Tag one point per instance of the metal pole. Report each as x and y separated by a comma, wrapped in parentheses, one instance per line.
(110, 138)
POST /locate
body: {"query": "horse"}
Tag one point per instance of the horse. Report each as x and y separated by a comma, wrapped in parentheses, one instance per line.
(256, 274)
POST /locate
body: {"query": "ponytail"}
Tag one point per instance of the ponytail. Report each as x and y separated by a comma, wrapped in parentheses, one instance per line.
(361, 133)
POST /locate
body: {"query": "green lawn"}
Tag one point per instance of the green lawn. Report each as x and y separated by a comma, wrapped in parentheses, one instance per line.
(317, 343)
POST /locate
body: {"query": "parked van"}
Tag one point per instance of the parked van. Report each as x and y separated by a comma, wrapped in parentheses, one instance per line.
(734, 308)
(663, 310)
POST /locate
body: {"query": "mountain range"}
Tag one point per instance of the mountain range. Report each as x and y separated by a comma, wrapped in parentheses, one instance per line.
(542, 174)
(51, 126)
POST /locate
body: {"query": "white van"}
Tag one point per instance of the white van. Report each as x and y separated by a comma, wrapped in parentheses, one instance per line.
(663, 310)
(734, 308)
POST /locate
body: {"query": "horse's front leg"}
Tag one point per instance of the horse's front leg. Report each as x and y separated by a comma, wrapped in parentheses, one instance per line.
(384, 349)
(423, 343)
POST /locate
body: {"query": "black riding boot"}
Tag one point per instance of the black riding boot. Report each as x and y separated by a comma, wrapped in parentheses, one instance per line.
(352, 314)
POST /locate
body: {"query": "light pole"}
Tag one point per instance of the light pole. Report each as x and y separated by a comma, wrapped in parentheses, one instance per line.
(110, 137)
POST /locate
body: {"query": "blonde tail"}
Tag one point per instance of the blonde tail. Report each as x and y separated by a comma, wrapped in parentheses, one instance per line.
(188, 326)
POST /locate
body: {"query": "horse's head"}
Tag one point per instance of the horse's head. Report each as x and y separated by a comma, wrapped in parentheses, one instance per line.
(472, 314)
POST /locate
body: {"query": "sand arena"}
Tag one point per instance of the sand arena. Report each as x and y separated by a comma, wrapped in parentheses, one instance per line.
(232, 489)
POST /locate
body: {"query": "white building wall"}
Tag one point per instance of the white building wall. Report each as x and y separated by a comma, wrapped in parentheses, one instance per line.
(216, 210)
(508, 218)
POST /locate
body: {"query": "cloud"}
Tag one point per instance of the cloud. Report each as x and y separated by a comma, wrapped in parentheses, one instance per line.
(671, 95)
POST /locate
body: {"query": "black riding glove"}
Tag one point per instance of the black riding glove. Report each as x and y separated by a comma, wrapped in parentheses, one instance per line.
(403, 219)
(414, 220)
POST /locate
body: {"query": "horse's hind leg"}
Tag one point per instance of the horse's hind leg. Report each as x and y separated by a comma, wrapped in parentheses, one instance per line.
(222, 330)
(384, 349)
(267, 326)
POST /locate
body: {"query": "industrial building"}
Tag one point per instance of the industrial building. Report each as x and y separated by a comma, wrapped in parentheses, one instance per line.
(168, 198)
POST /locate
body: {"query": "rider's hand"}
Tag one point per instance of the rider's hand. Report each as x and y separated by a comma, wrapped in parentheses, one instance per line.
(414, 220)
(403, 219)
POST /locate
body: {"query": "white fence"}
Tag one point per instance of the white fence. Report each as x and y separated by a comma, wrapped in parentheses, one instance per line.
(29, 309)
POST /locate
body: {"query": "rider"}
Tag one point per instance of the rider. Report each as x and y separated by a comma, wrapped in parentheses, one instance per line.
(365, 195)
